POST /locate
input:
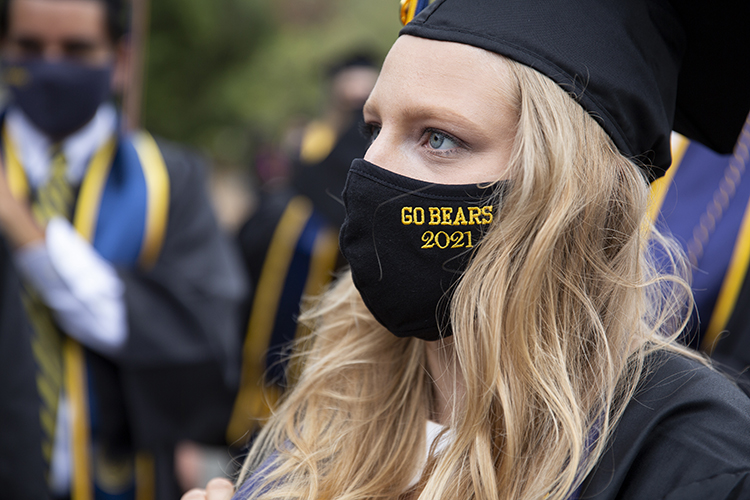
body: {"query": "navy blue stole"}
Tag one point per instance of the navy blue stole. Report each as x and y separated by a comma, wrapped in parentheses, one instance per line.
(706, 208)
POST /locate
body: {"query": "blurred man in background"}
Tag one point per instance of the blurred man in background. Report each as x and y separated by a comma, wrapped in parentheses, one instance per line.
(290, 243)
(349, 81)
(127, 283)
(329, 144)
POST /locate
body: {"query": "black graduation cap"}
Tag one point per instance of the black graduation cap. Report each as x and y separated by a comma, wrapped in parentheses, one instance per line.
(640, 67)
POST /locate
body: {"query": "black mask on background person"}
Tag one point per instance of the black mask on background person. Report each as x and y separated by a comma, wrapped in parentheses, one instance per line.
(408, 242)
(58, 97)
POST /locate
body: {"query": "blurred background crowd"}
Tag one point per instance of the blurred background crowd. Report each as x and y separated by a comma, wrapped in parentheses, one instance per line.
(151, 281)
(241, 79)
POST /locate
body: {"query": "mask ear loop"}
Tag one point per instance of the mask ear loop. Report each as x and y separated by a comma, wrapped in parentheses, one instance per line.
(410, 8)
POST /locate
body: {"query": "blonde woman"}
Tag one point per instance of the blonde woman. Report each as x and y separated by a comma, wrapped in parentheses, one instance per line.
(503, 332)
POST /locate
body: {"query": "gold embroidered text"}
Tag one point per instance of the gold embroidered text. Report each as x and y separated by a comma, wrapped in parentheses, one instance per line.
(447, 216)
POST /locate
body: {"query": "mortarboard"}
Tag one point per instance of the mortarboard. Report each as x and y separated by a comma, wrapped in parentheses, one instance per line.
(640, 67)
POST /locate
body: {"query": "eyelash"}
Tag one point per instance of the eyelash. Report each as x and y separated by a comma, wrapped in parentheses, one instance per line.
(370, 132)
(458, 142)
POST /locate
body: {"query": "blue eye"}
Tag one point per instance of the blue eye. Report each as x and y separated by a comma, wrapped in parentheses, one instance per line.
(439, 140)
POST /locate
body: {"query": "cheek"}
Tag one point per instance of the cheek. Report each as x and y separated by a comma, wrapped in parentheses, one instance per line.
(478, 168)
(494, 163)
(498, 166)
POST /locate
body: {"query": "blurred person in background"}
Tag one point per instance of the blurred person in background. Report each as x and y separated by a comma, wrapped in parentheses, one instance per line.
(349, 80)
(129, 286)
(289, 244)
(331, 143)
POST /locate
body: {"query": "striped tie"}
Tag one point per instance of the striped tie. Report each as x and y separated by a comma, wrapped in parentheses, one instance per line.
(54, 198)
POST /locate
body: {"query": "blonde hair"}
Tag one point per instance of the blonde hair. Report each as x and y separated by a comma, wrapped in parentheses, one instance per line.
(553, 321)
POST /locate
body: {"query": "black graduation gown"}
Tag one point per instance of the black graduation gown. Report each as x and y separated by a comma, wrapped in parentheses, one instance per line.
(685, 436)
(177, 374)
(180, 366)
(734, 348)
(21, 462)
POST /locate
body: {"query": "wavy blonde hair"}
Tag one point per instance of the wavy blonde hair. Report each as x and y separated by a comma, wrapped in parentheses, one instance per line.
(553, 321)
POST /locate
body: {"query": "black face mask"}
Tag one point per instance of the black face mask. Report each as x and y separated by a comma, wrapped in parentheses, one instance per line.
(408, 242)
(58, 97)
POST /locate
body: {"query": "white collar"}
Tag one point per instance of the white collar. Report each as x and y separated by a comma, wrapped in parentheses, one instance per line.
(34, 146)
(433, 432)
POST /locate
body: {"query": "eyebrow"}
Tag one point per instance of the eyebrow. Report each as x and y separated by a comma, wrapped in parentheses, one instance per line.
(437, 113)
(420, 112)
(33, 38)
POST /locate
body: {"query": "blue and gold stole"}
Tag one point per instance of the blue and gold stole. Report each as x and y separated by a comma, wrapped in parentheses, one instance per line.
(704, 201)
(122, 209)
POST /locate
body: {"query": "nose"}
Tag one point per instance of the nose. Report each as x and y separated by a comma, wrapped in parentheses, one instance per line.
(385, 152)
(53, 52)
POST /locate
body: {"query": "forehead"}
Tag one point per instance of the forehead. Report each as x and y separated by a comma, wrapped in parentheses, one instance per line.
(57, 19)
(444, 75)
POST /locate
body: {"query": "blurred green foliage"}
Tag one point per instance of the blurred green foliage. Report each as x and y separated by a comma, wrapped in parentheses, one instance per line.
(223, 75)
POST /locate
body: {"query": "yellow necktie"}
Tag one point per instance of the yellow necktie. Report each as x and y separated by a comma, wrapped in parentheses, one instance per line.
(55, 197)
